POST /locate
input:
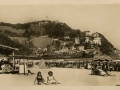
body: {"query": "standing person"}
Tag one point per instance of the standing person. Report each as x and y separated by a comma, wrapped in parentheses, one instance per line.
(92, 70)
(50, 78)
(115, 66)
(83, 64)
(103, 66)
(39, 78)
(107, 67)
(110, 67)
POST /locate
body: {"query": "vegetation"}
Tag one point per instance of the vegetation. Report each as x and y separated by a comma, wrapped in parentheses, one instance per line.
(106, 47)
(12, 34)
(53, 30)
(34, 30)
(16, 26)
(57, 29)
(23, 50)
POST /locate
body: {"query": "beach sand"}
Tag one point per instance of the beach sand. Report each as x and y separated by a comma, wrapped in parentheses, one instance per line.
(66, 77)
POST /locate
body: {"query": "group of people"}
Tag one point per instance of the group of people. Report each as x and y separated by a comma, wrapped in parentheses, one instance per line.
(67, 64)
(50, 79)
(102, 67)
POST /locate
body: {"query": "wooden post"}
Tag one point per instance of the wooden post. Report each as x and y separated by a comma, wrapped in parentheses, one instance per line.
(24, 66)
(13, 60)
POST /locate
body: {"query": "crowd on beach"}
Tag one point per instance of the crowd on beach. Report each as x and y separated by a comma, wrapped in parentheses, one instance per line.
(100, 67)
(68, 64)
(104, 65)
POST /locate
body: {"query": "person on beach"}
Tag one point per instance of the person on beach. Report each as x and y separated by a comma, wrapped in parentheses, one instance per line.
(50, 78)
(29, 72)
(92, 70)
(101, 72)
(110, 66)
(39, 79)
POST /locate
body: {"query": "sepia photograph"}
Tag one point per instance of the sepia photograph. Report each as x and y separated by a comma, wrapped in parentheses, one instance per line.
(59, 43)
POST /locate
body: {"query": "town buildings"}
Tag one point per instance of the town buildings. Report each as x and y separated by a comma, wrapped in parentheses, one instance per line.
(69, 46)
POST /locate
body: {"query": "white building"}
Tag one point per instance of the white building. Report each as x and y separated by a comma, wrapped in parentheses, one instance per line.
(87, 39)
(88, 33)
(55, 39)
(66, 37)
(63, 43)
(81, 48)
(64, 49)
(72, 47)
(77, 41)
(97, 40)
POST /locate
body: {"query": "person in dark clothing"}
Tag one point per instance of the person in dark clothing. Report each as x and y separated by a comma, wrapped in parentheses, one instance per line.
(106, 66)
(115, 66)
(110, 67)
(39, 78)
(29, 72)
(103, 66)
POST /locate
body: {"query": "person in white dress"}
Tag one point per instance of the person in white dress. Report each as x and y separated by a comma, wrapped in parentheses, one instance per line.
(50, 78)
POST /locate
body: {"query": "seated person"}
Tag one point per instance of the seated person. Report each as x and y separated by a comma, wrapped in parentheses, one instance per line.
(29, 72)
(39, 79)
(101, 72)
(50, 78)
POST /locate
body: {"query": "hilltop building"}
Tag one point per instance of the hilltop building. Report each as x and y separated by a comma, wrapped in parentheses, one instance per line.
(81, 48)
(77, 41)
(87, 39)
(97, 40)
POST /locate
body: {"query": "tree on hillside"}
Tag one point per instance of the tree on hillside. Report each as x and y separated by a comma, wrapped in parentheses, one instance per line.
(5, 24)
(21, 26)
(34, 30)
(106, 47)
(12, 34)
(54, 29)
(75, 33)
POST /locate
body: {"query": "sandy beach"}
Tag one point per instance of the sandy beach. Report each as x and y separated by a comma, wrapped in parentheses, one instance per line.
(66, 77)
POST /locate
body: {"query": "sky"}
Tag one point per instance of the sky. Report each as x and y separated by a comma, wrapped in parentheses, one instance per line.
(103, 17)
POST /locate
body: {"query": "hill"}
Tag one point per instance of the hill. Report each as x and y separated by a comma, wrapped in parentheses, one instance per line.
(35, 31)
(106, 47)
(23, 50)
(12, 32)
(41, 41)
(19, 31)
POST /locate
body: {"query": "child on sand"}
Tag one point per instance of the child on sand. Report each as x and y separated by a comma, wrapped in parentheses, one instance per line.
(50, 78)
(39, 78)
